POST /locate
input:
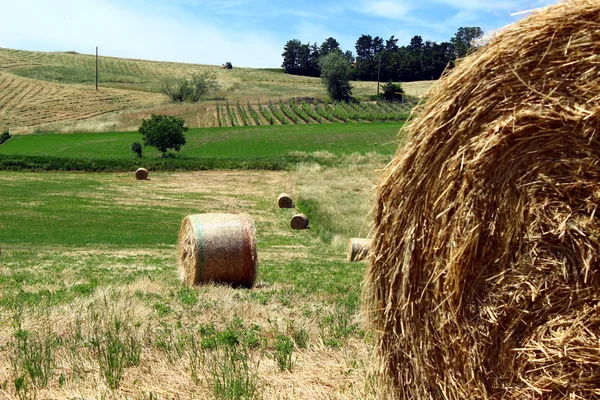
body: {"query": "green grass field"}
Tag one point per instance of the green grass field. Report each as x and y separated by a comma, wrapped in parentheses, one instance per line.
(91, 305)
(83, 252)
(269, 143)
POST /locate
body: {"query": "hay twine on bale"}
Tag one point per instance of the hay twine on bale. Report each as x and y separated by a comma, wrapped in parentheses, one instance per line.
(141, 174)
(217, 248)
(285, 201)
(483, 280)
(358, 249)
(299, 221)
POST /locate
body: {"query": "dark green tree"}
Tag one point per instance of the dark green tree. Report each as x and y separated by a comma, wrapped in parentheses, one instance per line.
(335, 74)
(463, 39)
(329, 45)
(291, 59)
(391, 44)
(163, 132)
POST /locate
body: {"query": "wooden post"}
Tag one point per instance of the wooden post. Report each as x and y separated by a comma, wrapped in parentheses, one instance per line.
(378, 69)
(96, 67)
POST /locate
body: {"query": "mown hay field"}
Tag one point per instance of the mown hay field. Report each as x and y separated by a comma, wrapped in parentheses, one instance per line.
(56, 92)
(89, 287)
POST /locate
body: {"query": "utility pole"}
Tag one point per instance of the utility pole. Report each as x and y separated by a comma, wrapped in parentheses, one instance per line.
(97, 69)
(378, 69)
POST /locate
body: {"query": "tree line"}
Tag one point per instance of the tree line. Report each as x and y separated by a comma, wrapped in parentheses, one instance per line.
(419, 60)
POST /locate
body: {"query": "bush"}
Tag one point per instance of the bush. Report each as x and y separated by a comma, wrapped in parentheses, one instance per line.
(4, 136)
(136, 147)
(393, 91)
(190, 89)
(163, 132)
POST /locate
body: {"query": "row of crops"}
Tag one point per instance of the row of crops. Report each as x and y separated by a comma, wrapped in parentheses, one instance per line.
(307, 112)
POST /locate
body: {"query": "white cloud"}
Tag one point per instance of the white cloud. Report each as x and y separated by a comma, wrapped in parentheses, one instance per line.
(147, 33)
(390, 9)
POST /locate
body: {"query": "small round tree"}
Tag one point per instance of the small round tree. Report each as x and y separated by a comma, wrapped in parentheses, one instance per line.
(163, 132)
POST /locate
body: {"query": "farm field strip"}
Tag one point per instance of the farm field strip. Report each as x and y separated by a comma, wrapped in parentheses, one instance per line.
(251, 142)
(55, 102)
(78, 257)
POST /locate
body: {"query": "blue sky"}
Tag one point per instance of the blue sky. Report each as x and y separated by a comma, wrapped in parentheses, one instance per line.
(249, 33)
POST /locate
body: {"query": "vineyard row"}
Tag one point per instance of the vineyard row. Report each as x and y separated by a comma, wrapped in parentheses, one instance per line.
(292, 112)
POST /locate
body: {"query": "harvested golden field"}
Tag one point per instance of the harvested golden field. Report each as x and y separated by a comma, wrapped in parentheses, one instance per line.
(108, 285)
(28, 102)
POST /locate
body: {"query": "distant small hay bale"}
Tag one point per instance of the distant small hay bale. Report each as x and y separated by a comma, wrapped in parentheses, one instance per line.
(219, 248)
(285, 201)
(358, 249)
(141, 174)
(299, 221)
(484, 274)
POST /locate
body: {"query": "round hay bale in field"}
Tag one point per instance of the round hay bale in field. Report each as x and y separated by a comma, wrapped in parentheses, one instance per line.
(285, 201)
(219, 248)
(299, 221)
(358, 249)
(141, 174)
(483, 278)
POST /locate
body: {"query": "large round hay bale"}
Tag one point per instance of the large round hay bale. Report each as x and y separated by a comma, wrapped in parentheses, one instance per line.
(285, 201)
(299, 221)
(141, 174)
(358, 249)
(483, 280)
(219, 248)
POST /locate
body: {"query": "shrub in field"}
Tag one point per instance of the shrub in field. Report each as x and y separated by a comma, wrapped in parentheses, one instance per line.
(163, 132)
(136, 147)
(190, 89)
(393, 91)
(4, 136)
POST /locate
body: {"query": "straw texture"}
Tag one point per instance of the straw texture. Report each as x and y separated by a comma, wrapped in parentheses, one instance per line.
(285, 201)
(299, 221)
(483, 278)
(141, 174)
(358, 249)
(219, 248)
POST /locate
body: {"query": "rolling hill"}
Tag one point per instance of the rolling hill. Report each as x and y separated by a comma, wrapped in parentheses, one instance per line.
(41, 91)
